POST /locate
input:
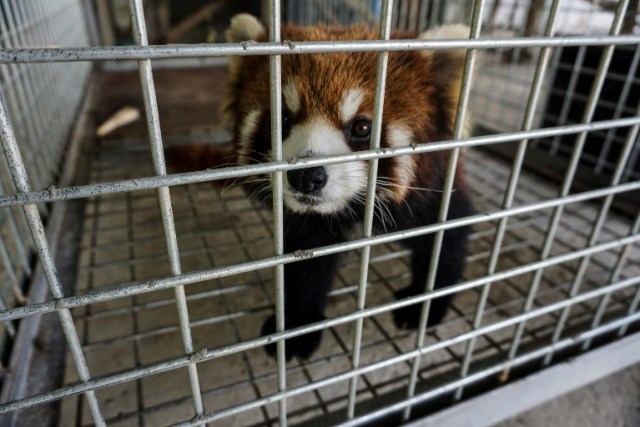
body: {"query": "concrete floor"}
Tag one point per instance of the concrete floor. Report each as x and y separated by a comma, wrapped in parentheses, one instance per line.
(611, 402)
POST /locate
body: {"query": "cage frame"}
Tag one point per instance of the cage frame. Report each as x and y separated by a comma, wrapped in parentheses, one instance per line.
(27, 199)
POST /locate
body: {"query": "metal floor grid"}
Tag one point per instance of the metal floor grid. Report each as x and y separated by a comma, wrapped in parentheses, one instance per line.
(122, 241)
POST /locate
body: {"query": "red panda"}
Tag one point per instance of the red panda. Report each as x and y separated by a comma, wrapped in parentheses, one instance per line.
(327, 109)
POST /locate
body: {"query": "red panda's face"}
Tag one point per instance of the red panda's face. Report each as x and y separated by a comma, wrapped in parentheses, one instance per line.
(327, 109)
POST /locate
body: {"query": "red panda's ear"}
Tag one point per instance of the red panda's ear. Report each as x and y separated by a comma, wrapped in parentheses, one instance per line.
(448, 65)
(244, 27)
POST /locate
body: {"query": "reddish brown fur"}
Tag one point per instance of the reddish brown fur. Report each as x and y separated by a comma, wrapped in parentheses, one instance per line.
(421, 91)
(419, 106)
(194, 157)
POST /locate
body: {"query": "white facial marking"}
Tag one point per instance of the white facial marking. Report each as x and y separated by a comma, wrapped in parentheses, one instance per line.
(247, 129)
(350, 103)
(291, 97)
(401, 137)
(317, 137)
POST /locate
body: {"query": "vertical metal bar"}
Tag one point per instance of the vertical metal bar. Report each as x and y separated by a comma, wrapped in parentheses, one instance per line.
(620, 107)
(635, 303)
(40, 111)
(424, 9)
(50, 93)
(309, 12)
(275, 86)
(19, 235)
(435, 13)
(289, 15)
(11, 330)
(465, 90)
(8, 26)
(595, 235)
(18, 172)
(534, 96)
(404, 15)
(633, 158)
(36, 76)
(395, 15)
(566, 186)
(615, 275)
(10, 278)
(164, 196)
(569, 95)
(413, 14)
(378, 104)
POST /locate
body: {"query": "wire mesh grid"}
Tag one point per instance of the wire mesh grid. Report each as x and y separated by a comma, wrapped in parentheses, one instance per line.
(139, 340)
(122, 242)
(30, 94)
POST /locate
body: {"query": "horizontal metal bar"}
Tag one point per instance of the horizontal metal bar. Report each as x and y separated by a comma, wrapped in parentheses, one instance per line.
(513, 302)
(208, 354)
(406, 356)
(74, 54)
(215, 273)
(499, 404)
(54, 194)
(496, 369)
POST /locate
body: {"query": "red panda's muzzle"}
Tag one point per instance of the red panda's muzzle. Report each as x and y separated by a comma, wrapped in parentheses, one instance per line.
(308, 181)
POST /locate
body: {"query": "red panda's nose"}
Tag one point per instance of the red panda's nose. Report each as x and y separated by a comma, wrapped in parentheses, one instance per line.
(307, 180)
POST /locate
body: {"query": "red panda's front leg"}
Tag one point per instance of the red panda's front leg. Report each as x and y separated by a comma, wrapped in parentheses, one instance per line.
(450, 262)
(307, 282)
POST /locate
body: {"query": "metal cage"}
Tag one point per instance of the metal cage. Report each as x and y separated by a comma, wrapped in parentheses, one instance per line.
(156, 281)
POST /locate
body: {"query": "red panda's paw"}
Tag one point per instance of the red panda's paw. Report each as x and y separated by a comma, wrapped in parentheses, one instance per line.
(301, 346)
(409, 317)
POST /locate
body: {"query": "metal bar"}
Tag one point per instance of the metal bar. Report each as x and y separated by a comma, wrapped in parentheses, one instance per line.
(22, 97)
(435, 13)
(424, 9)
(595, 232)
(230, 314)
(499, 404)
(22, 354)
(534, 96)
(615, 275)
(135, 316)
(12, 281)
(445, 198)
(207, 354)
(417, 399)
(633, 309)
(275, 89)
(14, 19)
(56, 194)
(569, 93)
(12, 153)
(223, 292)
(17, 232)
(75, 54)
(527, 358)
(619, 109)
(164, 196)
(573, 164)
(215, 273)
(370, 202)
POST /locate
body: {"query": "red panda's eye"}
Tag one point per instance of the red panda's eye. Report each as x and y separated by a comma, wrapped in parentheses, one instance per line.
(361, 129)
(286, 119)
(287, 122)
